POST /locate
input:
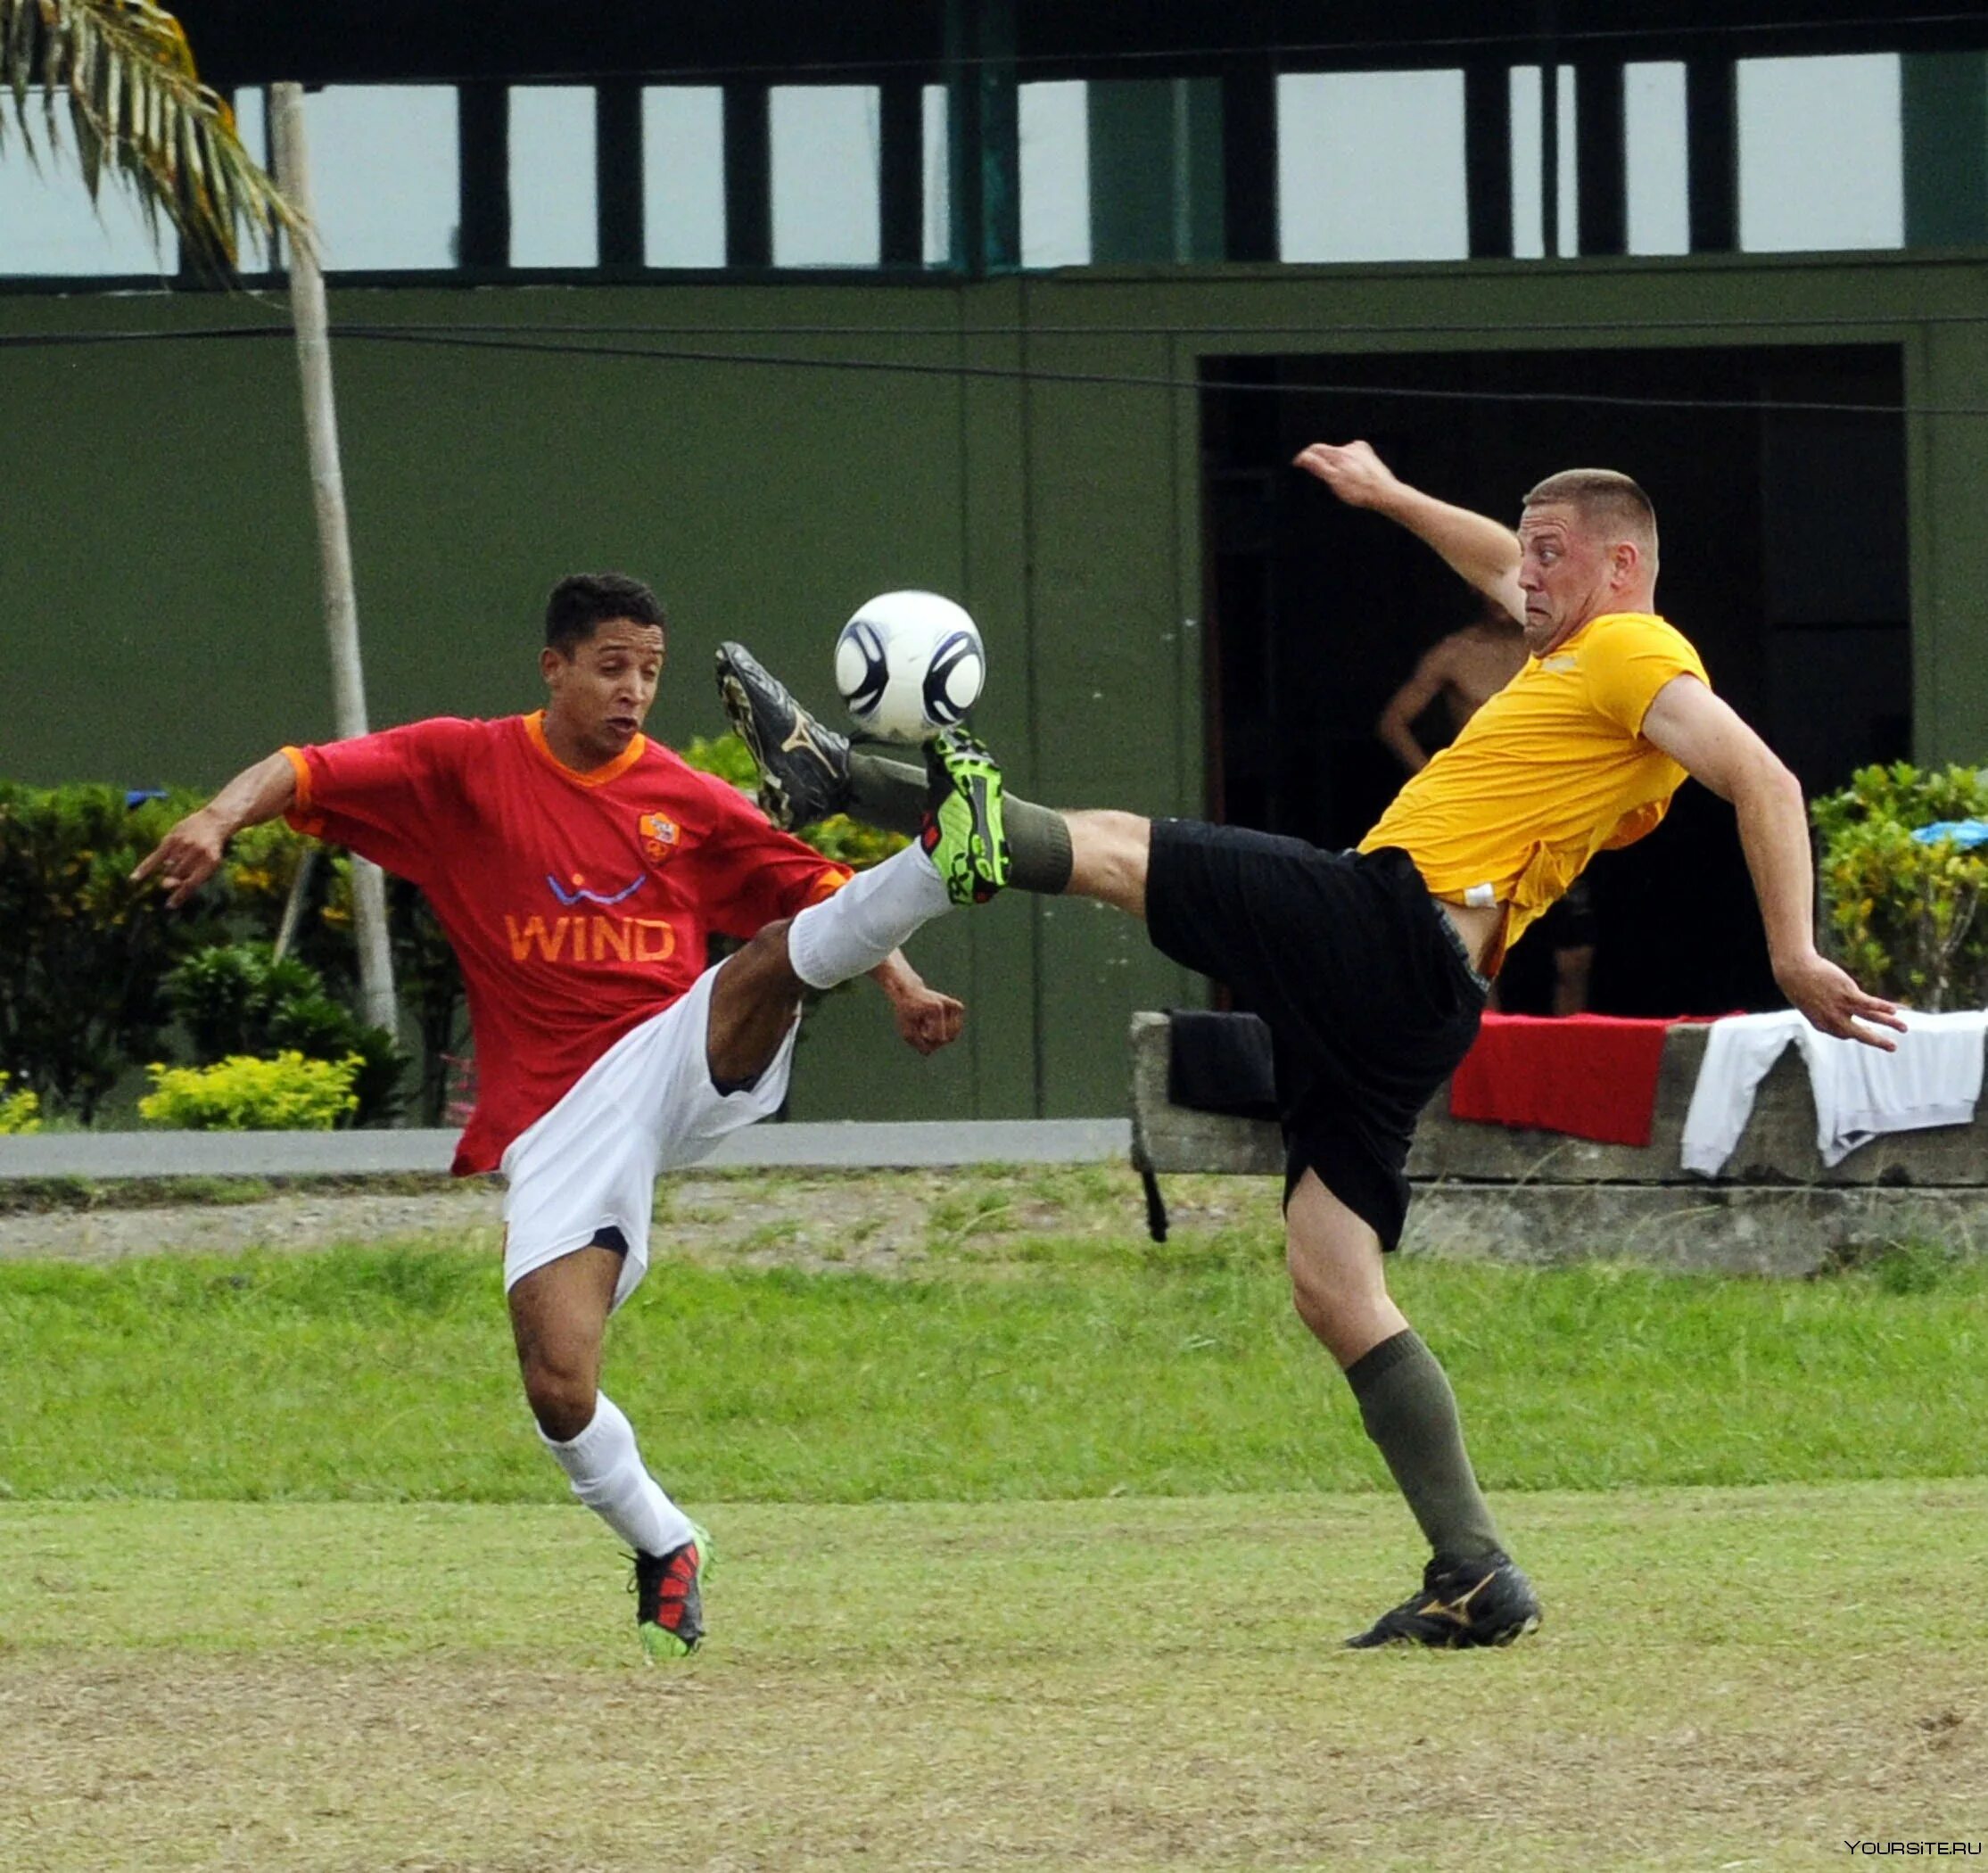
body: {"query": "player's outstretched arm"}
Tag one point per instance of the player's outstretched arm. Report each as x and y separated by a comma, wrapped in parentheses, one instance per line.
(1481, 550)
(927, 1018)
(191, 852)
(1704, 737)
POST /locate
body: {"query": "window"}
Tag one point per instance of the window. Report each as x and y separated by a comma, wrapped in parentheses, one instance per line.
(1820, 154)
(384, 175)
(1528, 225)
(938, 177)
(48, 223)
(683, 176)
(252, 125)
(1054, 130)
(1657, 183)
(826, 140)
(555, 221)
(252, 122)
(1370, 166)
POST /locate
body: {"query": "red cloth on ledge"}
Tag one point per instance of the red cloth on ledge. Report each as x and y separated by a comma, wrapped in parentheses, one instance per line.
(1590, 1075)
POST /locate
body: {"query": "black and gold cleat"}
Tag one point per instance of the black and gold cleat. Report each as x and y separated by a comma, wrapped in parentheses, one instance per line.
(963, 831)
(1482, 1601)
(803, 768)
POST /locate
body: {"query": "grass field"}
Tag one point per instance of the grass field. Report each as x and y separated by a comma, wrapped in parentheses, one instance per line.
(1034, 1552)
(1732, 1679)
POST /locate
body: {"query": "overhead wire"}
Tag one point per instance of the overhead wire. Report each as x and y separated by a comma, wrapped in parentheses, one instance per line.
(1100, 328)
(512, 340)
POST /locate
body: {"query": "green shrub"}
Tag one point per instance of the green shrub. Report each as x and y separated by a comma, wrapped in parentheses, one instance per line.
(20, 1111)
(226, 996)
(724, 755)
(237, 999)
(241, 1093)
(1906, 919)
(427, 983)
(82, 949)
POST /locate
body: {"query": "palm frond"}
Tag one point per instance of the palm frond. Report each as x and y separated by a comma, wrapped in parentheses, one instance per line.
(135, 105)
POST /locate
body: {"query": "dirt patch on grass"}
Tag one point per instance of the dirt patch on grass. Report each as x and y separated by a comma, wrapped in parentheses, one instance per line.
(448, 1766)
(880, 1221)
(1726, 1679)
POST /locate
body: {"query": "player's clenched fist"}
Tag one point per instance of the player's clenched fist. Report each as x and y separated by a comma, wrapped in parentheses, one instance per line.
(1351, 470)
(928, 1019)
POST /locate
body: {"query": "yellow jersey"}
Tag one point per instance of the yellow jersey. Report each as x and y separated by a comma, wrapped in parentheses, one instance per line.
(1551, 770)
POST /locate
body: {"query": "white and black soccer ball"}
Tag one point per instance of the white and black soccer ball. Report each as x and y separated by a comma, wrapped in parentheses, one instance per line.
(909, 665)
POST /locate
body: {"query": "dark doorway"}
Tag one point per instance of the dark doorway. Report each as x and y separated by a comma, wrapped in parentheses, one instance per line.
(1783, 560)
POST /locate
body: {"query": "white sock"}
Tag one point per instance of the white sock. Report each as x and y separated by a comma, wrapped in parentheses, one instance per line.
(874, 913)
(607, 1476)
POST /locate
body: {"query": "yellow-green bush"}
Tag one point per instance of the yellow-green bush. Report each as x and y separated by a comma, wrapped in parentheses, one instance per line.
(241, 1093)
(20, 1111)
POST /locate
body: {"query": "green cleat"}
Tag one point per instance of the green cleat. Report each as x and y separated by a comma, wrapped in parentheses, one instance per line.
(669, 1600)
(963, 832)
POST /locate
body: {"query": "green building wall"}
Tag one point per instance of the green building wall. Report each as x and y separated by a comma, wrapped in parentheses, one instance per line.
(159, 616)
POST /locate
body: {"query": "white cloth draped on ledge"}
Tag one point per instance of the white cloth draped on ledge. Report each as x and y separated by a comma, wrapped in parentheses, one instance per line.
(1934, 1079)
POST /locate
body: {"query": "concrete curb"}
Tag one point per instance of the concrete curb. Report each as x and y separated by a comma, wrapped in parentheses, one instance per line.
(303, 1154)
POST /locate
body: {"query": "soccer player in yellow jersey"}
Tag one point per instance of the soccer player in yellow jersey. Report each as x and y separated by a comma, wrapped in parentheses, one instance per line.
(1371, 967)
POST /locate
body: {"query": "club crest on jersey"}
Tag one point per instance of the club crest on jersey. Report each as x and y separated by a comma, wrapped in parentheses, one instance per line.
(659, 834)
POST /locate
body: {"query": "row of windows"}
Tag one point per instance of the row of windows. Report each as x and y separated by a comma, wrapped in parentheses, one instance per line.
(1371, 166)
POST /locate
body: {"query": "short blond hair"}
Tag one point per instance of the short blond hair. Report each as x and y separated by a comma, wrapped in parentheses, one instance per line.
(1605, 499)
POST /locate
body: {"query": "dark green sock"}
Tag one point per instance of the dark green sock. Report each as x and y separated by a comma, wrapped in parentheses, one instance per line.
(891, 794)
(1410, 1412)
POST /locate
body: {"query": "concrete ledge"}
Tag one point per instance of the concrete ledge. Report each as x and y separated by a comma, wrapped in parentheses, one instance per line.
(296, 1154)
(1735, 1231)
(1488, 1191)
(1778, 1148)
(1166, 1137)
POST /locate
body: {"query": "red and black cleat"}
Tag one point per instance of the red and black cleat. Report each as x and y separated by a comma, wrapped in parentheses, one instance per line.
(669, 1602)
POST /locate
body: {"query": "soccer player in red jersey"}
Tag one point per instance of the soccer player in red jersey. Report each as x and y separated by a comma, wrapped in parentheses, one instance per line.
(578, 868)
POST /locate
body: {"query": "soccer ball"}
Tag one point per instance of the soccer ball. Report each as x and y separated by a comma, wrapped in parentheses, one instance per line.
(909, 665)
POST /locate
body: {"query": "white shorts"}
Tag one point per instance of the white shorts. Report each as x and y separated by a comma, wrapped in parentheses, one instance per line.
(645, 1106)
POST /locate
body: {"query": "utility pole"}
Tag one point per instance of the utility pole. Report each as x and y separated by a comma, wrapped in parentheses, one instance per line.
(334, 548)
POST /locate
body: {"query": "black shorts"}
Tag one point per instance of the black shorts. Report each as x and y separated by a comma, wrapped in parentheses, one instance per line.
(1369, 996)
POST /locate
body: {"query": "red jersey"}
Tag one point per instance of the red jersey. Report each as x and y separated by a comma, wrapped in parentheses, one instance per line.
(577, 903)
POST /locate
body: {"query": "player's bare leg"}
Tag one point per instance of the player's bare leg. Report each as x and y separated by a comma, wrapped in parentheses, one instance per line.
(1109, 855)
(753, 1003)
(559, 1320)
(1471, 1594)
(1338, 1281)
